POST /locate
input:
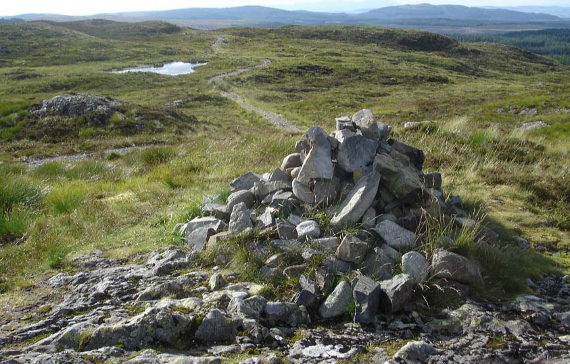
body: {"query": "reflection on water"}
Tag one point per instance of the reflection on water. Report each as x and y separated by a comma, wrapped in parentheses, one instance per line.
(171, 69)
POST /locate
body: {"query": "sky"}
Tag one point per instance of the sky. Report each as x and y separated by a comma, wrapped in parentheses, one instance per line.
(79, 7)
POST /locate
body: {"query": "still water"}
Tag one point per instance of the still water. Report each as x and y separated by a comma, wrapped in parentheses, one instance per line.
(170, 69)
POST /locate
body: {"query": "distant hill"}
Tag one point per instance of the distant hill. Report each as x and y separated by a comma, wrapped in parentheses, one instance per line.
(559, 11)
(441, 19)
(11, 20)
(454, 12)
(102, 28)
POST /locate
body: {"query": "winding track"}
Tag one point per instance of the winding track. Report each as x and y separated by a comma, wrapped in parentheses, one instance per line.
(273, 118)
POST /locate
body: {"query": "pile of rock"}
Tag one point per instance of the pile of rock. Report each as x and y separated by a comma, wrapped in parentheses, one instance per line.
(75, 105)
(368, 184)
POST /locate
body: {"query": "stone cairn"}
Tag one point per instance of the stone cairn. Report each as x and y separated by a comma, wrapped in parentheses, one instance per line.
(368, 184)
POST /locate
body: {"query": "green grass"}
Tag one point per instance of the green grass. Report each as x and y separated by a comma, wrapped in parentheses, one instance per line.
(129, 203)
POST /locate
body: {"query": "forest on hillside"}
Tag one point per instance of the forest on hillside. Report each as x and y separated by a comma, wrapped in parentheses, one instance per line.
(553, 43)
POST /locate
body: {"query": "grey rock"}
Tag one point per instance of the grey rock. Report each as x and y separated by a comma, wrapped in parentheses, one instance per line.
(416, 352)
(202, 222)
(291, 161)
(279, 175)
(216, 282)
(217, 210)
(286, 230)
(402, 181)
(318, 163)
(308, 229)
(396, 292)
(377, 264)
(198, 238)
(325, 280)
(416, 265)
(357, 202)
(370, 127)
(356, 154)
(265, 220)
(303, 192)
(295, 219)
(307, 296)
(369, 219)
(154, 326)
(159, 290)
(78, 105)
(244, 182)
(416, 156)
(342, 135)
(392, 253)
(287, 245)
(337, 302)
(288, 314)
(344, 123)
(352, 249)
(453, 266)
(366, 294)
(396, 236)
(240, 220)
(327, 245)
(244, 196)
(216, 327)
(334, 265)
(263, 189)
(432, 180)
(249, 308)
(326, 191)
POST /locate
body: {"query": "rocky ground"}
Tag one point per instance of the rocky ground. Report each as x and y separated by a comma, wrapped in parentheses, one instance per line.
(341, 224)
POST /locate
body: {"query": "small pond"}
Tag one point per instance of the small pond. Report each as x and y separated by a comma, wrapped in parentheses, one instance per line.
(170, 69)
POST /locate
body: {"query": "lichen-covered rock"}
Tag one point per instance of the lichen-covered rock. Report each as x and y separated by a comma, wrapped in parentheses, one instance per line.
(453, 266)
(338, 302)
(366, 294)
(352, 249)
(356, 154)
(216, 327)
(308, 229)
(396, 236)
(416, 265)
(240, 220)
(396, 292)
(244, 182)
(318, 163)
(357, 202)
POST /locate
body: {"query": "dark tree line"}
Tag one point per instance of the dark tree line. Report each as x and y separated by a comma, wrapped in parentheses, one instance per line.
(554, 43)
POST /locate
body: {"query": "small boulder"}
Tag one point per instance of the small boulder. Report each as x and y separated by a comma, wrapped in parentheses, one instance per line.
(240, 220)
(307, 296)
(357, 202)
(396, 293)
(378, 265)
(216, 282)
(244, 196)
(318, 163)
(453, 266)
(216, 328)
(308, 229)
(337, 302)
(396, 236)
(286, 230)
(366, 294)
(291, 161)
(244, 182)
(356, 154)
(415, 352)
(416, 265)
(370, 127)
(352, 249)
